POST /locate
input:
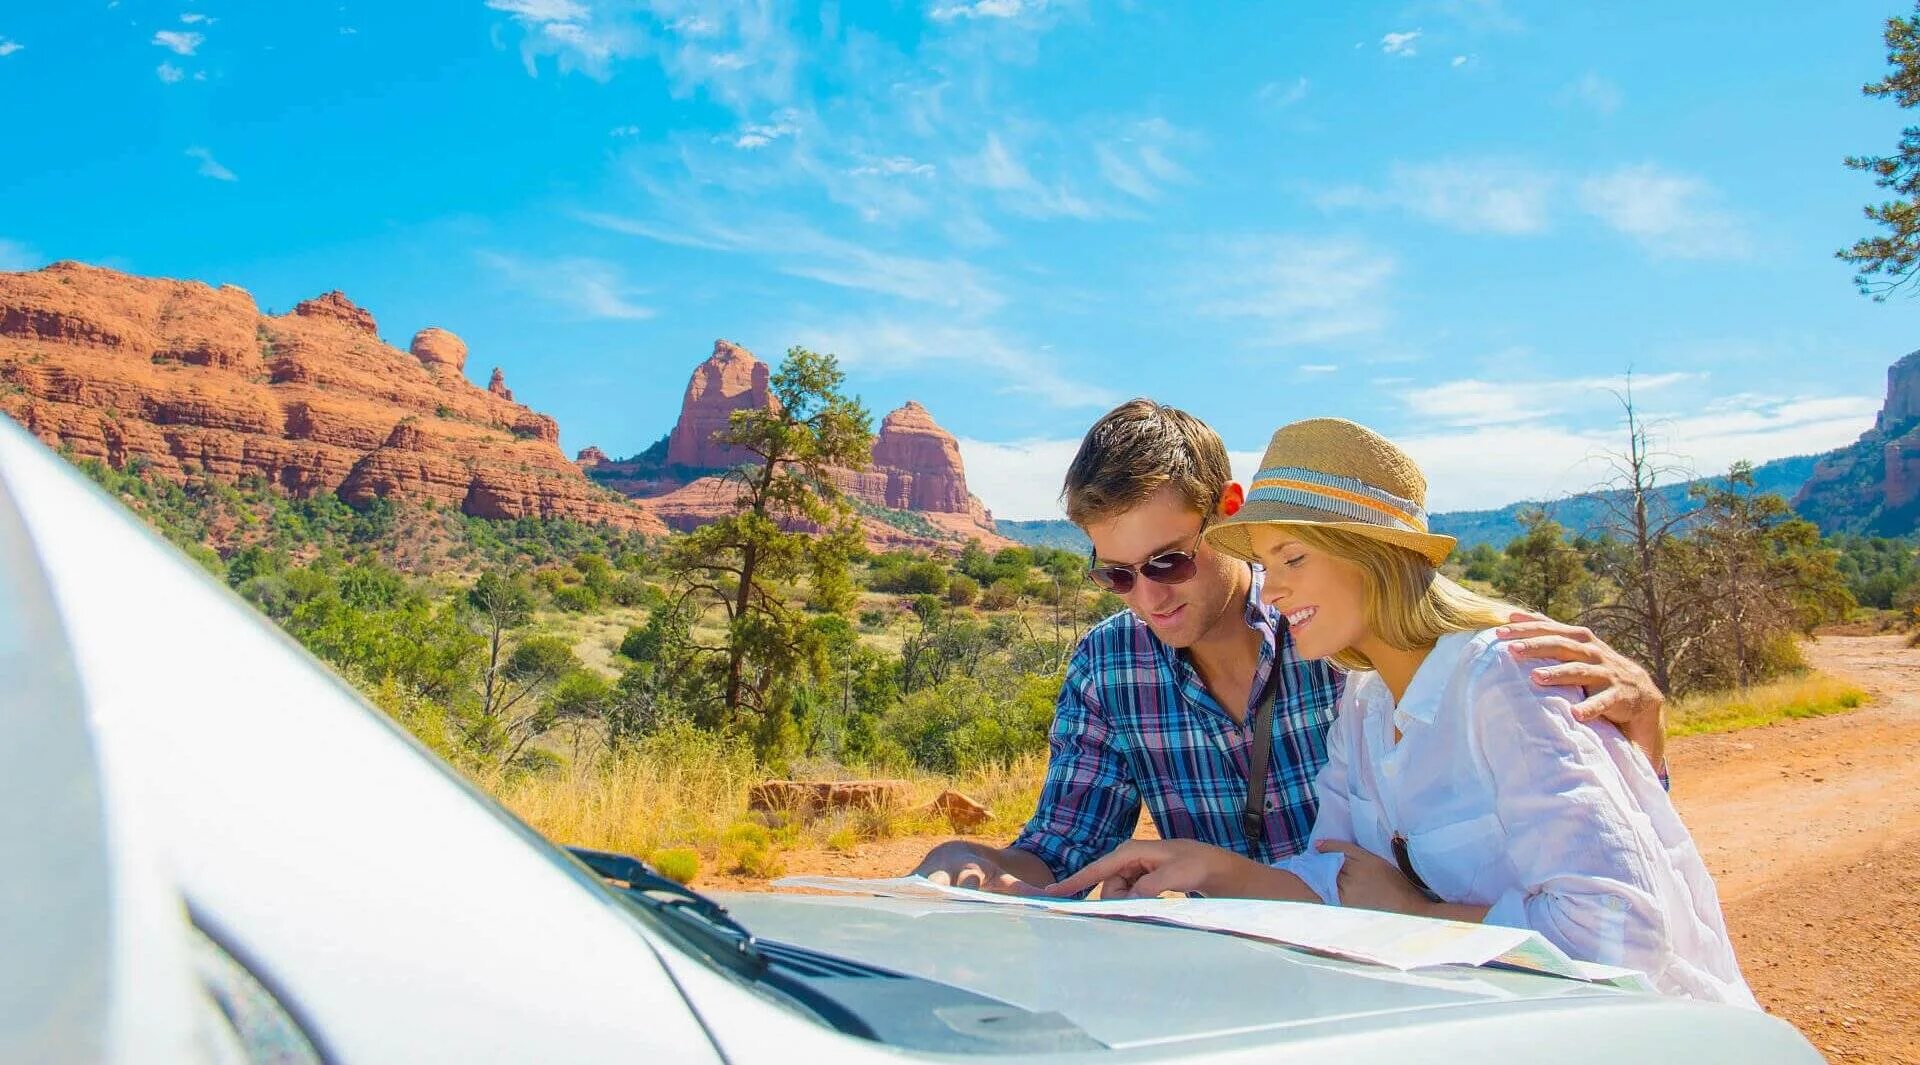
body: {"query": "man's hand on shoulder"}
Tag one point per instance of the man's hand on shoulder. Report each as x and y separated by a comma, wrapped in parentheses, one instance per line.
(1617, 688)
(959, 863)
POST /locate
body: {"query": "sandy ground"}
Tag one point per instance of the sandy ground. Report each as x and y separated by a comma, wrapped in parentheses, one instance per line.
(1812, 831)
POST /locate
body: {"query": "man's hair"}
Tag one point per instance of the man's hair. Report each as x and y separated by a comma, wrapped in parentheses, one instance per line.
(1134, 450)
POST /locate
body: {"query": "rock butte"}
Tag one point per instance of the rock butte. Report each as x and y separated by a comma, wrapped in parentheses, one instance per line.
(916, 464)
(1875, 480)
(186, 378)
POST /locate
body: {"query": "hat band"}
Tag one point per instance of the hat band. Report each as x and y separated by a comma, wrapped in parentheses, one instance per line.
(1346, 497)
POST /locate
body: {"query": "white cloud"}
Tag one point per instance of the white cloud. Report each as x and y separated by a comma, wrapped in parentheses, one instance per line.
(8, 47)
(799, 250)
(541, 10)
(1459, 61)
(1020, 480)
(893, 345)
(209, 166)
(1595, 92)
(195, 18)
(1478, 402)
(1139, 162)
(759, 135)
(591, 287)
(1668, 214)
(179, 41)
(1283, 93)
(1303, 290)
(985, 9)
(894, 166)
(997, 169)
(1319, 367)
(624, 131)
(1474, 196)
(1400, 44)
(17, 256)
(169, 73)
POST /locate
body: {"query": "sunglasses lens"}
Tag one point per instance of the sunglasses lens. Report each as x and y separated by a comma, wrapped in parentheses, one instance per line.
(1115, 579)
(1174, 567)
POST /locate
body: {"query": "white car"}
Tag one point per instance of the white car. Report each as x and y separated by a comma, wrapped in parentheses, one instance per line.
(214, 851)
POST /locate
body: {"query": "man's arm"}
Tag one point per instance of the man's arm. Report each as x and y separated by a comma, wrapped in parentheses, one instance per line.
(1617, 688)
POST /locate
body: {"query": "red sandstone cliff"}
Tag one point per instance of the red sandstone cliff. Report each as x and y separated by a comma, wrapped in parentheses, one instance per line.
(1873, 485)
(190, 378)
(916, 464)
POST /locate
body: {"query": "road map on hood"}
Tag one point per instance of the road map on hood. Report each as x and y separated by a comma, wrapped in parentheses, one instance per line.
(1394, 940)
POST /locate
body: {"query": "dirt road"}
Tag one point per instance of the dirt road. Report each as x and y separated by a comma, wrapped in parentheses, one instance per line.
(1812, 830)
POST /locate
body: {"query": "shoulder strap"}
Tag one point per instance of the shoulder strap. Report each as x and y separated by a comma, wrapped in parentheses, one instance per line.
(1253, 813)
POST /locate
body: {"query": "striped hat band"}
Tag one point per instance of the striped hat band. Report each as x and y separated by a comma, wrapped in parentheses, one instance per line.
(1346, 497)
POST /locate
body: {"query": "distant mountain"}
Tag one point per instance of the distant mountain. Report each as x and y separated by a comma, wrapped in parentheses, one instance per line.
(1053, 532)
(1586, 513)
(1872, 486)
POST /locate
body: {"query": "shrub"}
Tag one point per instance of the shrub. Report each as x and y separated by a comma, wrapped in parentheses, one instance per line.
(962, 590)
(1000, 595)
(678, 864)
(576, 598)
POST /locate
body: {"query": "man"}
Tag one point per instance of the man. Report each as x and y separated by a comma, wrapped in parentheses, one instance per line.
(1159, 701)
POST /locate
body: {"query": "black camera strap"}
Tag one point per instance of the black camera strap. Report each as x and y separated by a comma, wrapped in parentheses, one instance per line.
(1253, 814)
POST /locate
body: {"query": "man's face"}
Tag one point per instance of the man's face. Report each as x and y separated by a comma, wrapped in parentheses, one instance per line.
(1178, 614)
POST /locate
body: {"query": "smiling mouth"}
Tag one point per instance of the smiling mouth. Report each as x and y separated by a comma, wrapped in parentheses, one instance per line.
(1297, 618)
(1169, 615)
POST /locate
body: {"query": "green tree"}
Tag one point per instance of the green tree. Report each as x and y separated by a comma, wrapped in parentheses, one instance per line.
(1886, 262)
(746, 562)
(1541, 569)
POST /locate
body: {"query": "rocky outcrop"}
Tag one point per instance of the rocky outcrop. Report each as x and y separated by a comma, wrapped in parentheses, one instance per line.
(916, 468)
(591, 456)
(1873, 486)
(731, 379)
(497, 384)
(439, 350)
(188, 380)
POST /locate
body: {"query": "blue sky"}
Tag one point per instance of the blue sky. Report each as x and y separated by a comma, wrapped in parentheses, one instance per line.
(1458, 221)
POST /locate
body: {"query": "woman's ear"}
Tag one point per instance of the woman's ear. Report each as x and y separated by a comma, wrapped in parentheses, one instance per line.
(1232, 499)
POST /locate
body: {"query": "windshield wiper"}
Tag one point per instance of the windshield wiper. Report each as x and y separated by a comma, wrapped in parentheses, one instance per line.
(703, 923)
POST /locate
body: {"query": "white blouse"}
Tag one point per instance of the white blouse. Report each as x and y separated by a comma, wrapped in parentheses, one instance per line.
(1506, 801)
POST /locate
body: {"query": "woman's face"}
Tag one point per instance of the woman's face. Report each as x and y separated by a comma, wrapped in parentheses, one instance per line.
(1323, 597)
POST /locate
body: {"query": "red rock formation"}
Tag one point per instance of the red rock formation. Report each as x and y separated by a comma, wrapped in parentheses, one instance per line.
(591, 456)
(439, 350)
(190, 379)
(916, 464)
(337, 306)
(731, 379)
(497, 384)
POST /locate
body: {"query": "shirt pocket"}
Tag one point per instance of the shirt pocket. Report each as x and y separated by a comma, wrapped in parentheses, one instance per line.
(1367, 829)
(1460, 861)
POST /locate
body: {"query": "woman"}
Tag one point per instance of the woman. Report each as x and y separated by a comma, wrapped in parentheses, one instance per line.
(1453, 787)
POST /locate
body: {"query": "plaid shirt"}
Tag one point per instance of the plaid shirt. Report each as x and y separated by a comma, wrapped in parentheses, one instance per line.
(1135, 723)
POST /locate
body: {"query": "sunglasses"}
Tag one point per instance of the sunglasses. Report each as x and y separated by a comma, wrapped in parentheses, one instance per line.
(1167, 567)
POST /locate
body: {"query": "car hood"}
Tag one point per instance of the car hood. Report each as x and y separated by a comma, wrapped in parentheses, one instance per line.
(1127, 983)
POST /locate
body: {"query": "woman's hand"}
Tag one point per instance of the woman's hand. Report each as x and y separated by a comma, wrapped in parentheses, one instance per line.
(1143, 868)
(1370, 882)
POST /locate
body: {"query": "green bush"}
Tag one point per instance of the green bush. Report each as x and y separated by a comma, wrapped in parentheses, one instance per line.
(678, 864)
(960, 724)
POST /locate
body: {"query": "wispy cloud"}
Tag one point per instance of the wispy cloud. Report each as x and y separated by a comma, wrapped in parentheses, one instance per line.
(1477, 402)
(1400, 44)
(8, 47)
(799, 250)
(1668, 214)
(209, 166)
(1139, 162)
(1596, 93)
(986, 355)
(985, 9)
(179, 42)
(1301, 290)
(998, 169)
(1474, 196)
(1282, 94)
(590, 287)
(195, 18)
(894, 166)
(17, 256)
(759, 135)
(169, 73)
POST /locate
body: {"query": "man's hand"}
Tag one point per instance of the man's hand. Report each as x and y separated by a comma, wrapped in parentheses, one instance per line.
(958, 863)
(1144, 868)
(1618, 690)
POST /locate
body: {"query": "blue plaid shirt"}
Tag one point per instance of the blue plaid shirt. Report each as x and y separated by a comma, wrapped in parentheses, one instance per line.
(1136, 724)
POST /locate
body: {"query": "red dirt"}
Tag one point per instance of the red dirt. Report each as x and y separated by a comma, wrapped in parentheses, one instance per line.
(1812, 831)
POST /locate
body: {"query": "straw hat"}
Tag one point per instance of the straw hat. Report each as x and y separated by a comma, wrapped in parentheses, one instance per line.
(1331, 472)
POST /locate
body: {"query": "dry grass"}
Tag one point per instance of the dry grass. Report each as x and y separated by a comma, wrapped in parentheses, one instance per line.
(1808, 695)
(684, 795)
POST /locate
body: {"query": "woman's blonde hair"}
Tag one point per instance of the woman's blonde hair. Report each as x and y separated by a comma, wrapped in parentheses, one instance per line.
(1410, 604)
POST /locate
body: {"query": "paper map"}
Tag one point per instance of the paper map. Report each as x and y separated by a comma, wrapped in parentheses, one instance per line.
(1391, 939)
